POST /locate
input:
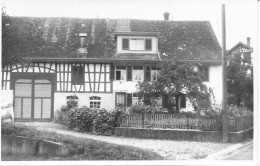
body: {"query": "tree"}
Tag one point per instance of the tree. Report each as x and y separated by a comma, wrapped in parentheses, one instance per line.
(174, 79)
(239, 82)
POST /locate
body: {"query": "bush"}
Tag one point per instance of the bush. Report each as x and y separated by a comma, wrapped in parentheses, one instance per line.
(81, 119)
(141, 108)
(96, 121)
(238, 111)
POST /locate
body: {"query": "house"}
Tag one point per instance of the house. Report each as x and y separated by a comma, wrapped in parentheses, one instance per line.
(240, 77)
(98, 62)
(243, 52)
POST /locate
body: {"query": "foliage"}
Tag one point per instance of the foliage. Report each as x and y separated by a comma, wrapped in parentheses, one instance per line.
(239, 83)
(141, 108)
(175, 78)
(96, 121)
(81, 119)
(235, 111)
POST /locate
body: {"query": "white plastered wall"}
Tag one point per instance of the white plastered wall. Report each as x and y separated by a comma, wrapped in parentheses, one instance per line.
(215, 83)
(107, 99)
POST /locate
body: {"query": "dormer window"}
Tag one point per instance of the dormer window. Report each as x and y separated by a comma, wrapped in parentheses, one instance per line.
(137, 44)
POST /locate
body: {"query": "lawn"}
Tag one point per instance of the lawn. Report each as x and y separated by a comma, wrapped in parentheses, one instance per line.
(79, 148)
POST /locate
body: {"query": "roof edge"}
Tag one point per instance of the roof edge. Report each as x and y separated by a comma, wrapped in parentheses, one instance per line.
(112, 60)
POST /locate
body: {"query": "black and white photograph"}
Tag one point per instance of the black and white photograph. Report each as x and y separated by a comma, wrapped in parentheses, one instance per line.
(139, 82)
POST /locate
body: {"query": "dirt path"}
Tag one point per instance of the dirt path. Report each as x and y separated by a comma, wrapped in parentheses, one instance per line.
(171, 150)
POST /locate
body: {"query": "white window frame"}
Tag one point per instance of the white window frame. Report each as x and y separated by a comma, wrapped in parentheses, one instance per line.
(135, 44)
(96, 102)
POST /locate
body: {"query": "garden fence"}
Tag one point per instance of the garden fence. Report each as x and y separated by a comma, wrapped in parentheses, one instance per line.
(185, 121)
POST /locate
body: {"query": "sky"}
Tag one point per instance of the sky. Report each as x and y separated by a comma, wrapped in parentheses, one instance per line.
(241, 15)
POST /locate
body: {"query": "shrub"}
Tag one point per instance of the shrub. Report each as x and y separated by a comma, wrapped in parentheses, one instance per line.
(97, 121)
(141, 108)
(238, 111)
(81, 119)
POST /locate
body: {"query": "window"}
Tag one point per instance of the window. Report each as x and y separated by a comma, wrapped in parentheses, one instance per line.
(95, 101)
(77, 75)
(120, 73)
(72, 101)
(138, 73)
(148, 44)
(125, 44)
(136, 99)
(136, 44)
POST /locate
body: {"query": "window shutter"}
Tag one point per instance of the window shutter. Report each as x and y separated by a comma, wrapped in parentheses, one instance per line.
(125, 44)
(148, 44)
(129, 73)
(205, 73)
(147, 73)
(129, 99)
(77, 75)
(165, 101)
(112, 72)
(183, 100)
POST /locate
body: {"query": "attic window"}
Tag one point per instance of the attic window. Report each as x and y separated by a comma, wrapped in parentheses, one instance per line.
(136, 44)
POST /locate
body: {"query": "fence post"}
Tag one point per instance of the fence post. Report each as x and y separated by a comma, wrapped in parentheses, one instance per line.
(187, 116)
(142, 119)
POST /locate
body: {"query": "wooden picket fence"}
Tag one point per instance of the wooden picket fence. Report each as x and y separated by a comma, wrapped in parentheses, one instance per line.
(185, 121)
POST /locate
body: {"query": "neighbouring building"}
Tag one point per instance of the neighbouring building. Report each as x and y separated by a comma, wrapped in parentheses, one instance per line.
(98, 62)
(241, 55)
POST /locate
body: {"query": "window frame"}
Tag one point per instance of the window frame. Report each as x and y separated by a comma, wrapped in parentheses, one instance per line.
(96, 102)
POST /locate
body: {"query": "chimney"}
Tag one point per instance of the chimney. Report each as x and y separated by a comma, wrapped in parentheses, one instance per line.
(248, 41)
(166, 16)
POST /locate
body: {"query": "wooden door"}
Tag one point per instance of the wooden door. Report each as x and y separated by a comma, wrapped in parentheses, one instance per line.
(32, 99)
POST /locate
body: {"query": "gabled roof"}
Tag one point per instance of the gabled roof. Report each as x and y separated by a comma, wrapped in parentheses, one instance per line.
(240, 44)
(59, 38)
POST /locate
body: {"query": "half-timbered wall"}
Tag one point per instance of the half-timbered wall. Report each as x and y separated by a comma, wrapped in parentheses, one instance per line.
(96, 78)
(24, 68)
(6, 72)
(34, 68)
